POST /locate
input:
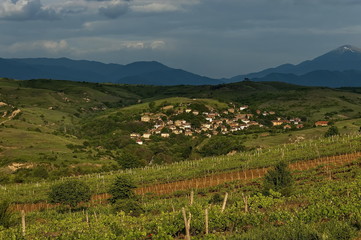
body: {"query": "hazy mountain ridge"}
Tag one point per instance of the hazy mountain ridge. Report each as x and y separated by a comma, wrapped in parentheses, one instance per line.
(151, 73)
(340, 67)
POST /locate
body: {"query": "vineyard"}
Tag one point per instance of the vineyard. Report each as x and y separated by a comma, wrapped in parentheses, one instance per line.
(319, 207)
(203, 168)
(210, 198)
(244, 175)
(214, 180)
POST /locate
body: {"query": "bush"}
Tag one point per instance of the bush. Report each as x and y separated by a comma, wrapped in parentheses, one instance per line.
(278, 179)
(129, 206)
(70, 193)
(216, 198)
(220, 145)
(5, 214)
(332, 131)
(122, 188)
(127, 160)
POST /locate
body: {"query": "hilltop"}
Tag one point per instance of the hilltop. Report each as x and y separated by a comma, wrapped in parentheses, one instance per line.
(61, 124)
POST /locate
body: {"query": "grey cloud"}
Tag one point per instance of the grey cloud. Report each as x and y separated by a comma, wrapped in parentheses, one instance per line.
(210, 37)
(26, 10)
(114, 9)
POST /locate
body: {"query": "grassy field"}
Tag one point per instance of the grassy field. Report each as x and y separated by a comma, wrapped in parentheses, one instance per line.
(54, 112)
(44, 134)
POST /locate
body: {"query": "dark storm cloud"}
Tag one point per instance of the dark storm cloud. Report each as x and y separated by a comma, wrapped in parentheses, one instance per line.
(209, 37)
(114, 9)
(26, 10)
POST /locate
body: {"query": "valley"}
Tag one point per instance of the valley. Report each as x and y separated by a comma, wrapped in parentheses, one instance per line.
(53, 132)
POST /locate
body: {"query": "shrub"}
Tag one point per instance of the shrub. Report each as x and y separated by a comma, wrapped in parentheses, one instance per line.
(70, 193)
(127, 160)
(129, 206)
(216, 198)
(278, 179)
(332, 131)
(122, 188)
(5, 214)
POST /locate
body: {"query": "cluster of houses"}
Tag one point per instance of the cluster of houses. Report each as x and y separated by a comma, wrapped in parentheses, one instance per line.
(287, 124)
(228, 121)
(225, 122)
(214, 124)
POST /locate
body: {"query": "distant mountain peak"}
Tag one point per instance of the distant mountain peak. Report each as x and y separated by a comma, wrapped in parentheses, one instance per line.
(347, 49)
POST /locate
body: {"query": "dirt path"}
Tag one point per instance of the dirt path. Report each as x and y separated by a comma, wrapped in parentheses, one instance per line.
(209, 181)
(12, 116)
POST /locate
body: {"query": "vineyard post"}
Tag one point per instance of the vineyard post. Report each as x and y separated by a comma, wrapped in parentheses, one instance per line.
(23, 222)
(87, 217)
(245, 200)
(95, 215)
(206, 220)
(187, 223)
(191, 198)
(224, 202)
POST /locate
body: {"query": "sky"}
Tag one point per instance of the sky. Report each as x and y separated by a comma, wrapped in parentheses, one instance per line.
(214, 38)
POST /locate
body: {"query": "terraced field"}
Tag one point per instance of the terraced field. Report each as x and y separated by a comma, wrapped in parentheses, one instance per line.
(210, 181)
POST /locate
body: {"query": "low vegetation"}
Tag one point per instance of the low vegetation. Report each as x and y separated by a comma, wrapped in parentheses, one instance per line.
(78, 164)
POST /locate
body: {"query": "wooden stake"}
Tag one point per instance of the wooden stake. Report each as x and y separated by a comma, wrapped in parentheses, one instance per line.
(187, 223)
(95, 215)
(206, 220)
(224, 202)
(192, 198)
(245, 200)
(23, 222)
(87, 217)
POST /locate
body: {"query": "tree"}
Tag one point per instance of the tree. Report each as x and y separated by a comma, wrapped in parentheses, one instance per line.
(128, 160)
(71, 193)
(332, 131)
(278, 179)
(122, 188)
(218, 145)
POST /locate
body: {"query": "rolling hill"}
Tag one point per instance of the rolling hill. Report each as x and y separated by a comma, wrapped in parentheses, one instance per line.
(150, 73)
(60, 125)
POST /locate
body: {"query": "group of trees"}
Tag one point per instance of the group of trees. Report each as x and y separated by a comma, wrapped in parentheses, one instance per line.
(71, 193)
(123, 198)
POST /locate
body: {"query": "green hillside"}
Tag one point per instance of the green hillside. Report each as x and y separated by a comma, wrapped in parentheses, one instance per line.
(54, 131)
(63, 128)
(315, 208)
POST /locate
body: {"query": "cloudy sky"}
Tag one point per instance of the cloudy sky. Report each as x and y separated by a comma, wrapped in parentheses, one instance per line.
(216, 38)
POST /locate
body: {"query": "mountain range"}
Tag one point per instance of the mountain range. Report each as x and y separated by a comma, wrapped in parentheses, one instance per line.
(338, 68)
(149, 73)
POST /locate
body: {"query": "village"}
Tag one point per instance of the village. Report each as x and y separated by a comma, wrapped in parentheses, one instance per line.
(225, 122)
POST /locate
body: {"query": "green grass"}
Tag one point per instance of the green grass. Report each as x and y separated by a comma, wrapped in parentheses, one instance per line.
(28, 145)
(32, 192)
(257, 140)
(316, 209)
(40, 131)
